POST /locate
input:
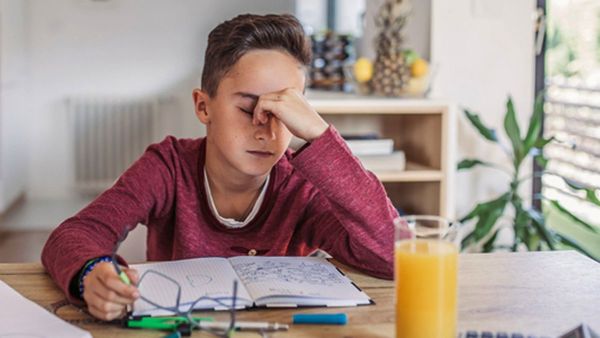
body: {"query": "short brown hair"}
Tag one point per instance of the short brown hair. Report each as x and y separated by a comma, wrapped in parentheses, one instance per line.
(230, 40)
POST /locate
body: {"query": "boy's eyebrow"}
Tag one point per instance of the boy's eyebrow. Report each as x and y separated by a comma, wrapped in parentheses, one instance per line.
(255, 97)
(247, 95)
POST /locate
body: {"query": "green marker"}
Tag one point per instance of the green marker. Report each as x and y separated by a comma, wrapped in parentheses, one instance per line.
(123, 276)
(163, 323)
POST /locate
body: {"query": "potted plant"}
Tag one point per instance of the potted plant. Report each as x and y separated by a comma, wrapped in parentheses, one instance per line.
(529, 224)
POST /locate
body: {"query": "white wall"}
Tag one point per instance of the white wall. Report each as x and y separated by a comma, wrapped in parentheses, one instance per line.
(312, 14)
(13, 109)
(348, 15)
(483, 51)
(127, 48)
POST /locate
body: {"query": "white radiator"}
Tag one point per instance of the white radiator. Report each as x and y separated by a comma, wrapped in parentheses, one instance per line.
(108, 135)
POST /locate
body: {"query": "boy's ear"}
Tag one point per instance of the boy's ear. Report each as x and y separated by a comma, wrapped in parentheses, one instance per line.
(201, 100)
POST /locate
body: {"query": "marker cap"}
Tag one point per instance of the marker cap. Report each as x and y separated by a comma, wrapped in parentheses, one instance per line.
(320, 318)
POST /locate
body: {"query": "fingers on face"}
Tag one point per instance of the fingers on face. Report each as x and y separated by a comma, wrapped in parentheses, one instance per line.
(271, 104)
(263, 110)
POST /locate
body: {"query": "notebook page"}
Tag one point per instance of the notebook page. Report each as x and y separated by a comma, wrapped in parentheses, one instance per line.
(306, 278)
(20, 317)
(198, 277)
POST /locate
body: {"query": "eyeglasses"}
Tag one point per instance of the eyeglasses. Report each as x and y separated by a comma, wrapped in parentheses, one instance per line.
(182, 318)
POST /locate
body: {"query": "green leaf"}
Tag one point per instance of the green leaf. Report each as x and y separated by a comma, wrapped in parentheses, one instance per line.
(471, 162)
(590, 192)
(486, 132)
(571, 216)
(535, 123)
(467, 240)
(471, 214)
(591, 196)
(483, 207)
(511, 126)
(487, 214)
(533, 241)
(486, 223)
(491, 212)
(538, 221)
(522, 236)
(542, 161)
(574, 244)
(522, 218)
(521, 223)
(489, 244)
(541, 142)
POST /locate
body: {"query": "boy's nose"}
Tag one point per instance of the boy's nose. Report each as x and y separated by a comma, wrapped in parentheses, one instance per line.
(266, 131)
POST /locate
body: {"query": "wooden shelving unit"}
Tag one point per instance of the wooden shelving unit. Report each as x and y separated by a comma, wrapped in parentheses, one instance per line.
(423, 128)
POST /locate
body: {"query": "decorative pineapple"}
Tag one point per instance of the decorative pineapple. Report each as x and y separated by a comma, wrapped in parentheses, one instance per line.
(390, 70)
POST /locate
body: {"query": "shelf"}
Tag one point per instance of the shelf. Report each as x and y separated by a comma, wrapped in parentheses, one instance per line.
(423, 128)
(344, 104)
(413, 173)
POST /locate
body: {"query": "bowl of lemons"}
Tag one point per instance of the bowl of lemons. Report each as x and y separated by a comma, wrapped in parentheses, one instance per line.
(417, 68)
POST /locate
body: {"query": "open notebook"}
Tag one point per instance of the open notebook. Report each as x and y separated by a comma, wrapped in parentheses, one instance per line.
(262, 281)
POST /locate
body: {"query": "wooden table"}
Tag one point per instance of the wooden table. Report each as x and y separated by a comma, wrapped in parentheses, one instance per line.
(540, 293)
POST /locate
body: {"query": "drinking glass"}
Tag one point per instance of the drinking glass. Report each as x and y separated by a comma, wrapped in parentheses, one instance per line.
(426, 263)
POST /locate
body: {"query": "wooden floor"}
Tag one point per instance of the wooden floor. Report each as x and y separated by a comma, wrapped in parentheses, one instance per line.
(22, 246)
(25, 228)
(26, 246)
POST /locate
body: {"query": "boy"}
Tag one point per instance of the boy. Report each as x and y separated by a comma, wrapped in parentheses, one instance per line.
(239, 190)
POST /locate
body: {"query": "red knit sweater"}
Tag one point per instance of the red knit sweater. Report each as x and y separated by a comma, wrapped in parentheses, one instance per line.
(319, 197)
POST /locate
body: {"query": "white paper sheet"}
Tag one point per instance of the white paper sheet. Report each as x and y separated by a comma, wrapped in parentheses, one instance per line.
(197, 277)
(299, 280)
(22, 318)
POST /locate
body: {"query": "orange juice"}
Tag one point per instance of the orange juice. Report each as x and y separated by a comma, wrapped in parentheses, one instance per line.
(425, 275)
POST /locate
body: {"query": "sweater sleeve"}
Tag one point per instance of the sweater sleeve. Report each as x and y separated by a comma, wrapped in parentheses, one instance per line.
(350, 216)
(145, 190)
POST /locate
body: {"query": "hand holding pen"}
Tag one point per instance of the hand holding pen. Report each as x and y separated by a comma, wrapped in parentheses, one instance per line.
(110, 289)
(107, 292)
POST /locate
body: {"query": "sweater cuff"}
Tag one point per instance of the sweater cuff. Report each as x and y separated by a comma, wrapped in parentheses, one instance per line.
(67, 277)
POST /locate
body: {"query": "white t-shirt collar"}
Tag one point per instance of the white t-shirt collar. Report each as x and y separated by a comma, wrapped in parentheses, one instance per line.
(230, 222)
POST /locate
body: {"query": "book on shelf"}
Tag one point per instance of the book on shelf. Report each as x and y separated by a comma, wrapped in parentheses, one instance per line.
(365, 136)
(395, 161)
(369, 144)
(262, 282)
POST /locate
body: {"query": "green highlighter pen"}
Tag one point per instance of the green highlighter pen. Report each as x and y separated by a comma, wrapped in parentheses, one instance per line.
(124, 278)
(122, 275)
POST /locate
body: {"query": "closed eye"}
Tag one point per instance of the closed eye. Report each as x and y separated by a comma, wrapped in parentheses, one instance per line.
(249, 112)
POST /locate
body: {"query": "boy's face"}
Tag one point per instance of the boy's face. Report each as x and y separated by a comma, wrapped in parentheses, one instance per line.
(236, 144)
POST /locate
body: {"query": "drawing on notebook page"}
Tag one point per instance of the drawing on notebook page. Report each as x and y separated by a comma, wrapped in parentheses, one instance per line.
(282, 271)
(198, 280)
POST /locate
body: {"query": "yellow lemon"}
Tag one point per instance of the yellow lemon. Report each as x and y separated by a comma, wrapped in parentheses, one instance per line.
(419, 68)
(363, 70)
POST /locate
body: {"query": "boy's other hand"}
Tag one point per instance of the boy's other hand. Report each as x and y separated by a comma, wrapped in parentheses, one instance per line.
(290, 107)
(105, 293)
